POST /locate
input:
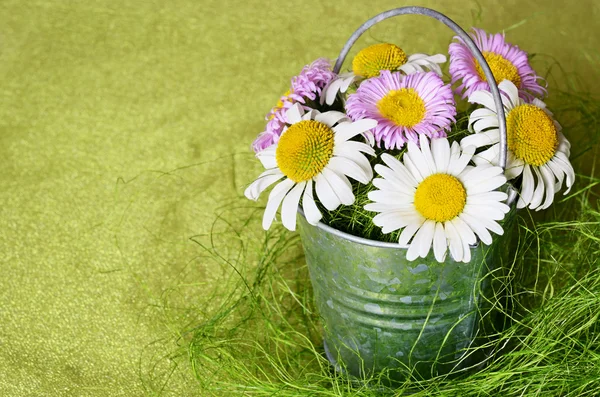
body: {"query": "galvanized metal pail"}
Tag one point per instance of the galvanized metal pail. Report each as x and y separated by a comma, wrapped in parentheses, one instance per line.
(383, 313)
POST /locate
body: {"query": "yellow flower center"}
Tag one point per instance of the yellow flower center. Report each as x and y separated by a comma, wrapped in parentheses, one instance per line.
(304, 150)
(404, 107)
(531, 134)
(373, 59)
(440, 197)
(502, 68)
(280, 103)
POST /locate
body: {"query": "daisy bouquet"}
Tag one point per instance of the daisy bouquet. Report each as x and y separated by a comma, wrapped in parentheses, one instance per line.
(399, 175)
(390, 127)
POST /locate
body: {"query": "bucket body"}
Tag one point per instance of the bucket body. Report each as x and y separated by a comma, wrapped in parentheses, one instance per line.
(381, 312)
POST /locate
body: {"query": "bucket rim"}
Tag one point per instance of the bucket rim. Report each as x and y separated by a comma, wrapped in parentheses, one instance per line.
(351, 237)
(510, 201)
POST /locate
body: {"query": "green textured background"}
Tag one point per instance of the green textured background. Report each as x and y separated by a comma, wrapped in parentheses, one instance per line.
(125, 126)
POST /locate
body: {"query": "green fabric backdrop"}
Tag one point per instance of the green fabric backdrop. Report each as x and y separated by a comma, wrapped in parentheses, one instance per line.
(126, 125)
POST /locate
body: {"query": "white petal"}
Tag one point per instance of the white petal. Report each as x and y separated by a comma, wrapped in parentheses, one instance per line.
(401, 184)
(483, 98)
(514, 167)
(475, 175)
(477, 227)
(504, 208)
(363, 163)
(464, 231)
(495, 206)
(421, 243)
(437, 58)
(275, 198)
(390, 197)
(391, 221)
(485, 138)
(267, 157)
(483, 113)
(564, 163)
(340, 184)
(454, 153)
(440, 245)
(413, 249)
(331, 118)
(392, 185)
(456, 245)
(540, 104)
(490, 212)
(353, 150)
(489, 156)
(418, 63)
(557, 172)
(488, 196)
(402, 173)
(407, 218)
(294, 114)
(511, 90)
(493, 226)
(409, 231)
(426, 151)
(348, 79)
(538, 194)
(487, 185)
(466, 251)
(311, 114)
(410, 68)
(486, 222)
(325, 193)
(548, 179)
(330, 91)
(289, 207)
(419, 159)
(457, 166)
(417, 174)
(343, 165)
(347, 130)
(311, 212)
(527, 187)
(389, 175)
(383, 207)
(265, 180)
(426, 237)
(484, 124)
(349, 148)
(440, 149)
(370, 138)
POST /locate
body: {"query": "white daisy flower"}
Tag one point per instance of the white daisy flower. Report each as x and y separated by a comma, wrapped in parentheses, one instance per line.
(438, 199)
(537, 149)
(315, 150)
(370, 61)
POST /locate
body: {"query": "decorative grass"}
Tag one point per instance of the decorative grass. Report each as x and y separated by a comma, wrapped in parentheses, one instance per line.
(260, 334)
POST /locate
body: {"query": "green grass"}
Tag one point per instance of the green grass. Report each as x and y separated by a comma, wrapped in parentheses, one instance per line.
(260, 334)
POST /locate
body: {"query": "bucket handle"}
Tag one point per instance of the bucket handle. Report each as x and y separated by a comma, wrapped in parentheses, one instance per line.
(413, 10)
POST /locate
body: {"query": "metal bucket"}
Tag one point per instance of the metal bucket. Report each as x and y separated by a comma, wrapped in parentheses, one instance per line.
(382, 313)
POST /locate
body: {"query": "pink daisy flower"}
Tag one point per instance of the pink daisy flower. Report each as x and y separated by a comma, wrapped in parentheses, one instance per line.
(312, 79)
(307, 86)
(508, 62)
(404, 107)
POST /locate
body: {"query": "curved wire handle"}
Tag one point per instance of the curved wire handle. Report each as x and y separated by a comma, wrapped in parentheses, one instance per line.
(463, 35)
